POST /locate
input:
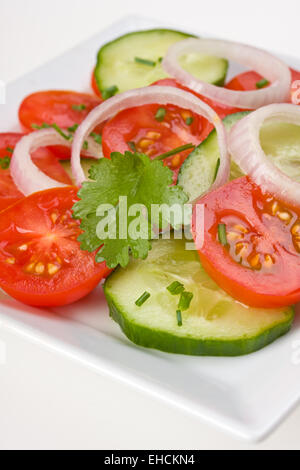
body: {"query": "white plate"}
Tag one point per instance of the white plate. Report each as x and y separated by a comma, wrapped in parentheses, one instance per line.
(247, 396)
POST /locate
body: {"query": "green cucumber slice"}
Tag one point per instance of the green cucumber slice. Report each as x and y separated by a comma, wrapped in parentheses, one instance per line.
(215, 324)
(198, 171)
(117, 65)
(86, 164)
(281, 143)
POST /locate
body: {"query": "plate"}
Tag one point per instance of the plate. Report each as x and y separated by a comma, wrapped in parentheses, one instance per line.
(247, 396)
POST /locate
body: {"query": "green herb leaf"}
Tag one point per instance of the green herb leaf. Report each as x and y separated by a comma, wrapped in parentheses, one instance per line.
(262, 83)
(160, 114)
(216, 169)
(222, 236)
(5, 162)
(142, 181)
(179, 317)
(78, 107)
(139, 60)
(185, 300)
(141, 300)
(109, 92)
(73, 129)
(175, 288)
(61, 132)
(172, 152)
(132, 146)
(42, 126)
(189, 120)
(97, 137)
(9, 150)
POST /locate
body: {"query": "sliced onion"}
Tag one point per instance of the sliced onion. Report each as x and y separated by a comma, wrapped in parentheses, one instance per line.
(161, 95)
(246, 151)
(261, 61)
(26, 175)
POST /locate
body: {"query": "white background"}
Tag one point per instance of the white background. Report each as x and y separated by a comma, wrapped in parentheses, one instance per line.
(50, 402)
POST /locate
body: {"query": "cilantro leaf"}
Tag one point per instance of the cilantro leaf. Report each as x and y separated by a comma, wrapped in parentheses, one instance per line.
(142, 181)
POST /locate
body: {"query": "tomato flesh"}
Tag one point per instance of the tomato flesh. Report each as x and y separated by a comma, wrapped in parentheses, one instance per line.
(247, 81)
(154, 137)
(41, 262)
(260, 264)
(57, 107)
(43, 158)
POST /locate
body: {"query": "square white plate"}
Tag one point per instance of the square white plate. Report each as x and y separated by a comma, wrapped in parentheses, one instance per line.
(247, 396)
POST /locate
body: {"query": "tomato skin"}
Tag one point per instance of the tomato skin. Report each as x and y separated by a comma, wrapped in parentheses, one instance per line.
(29, 234)
(262, 288)
(45, 160)
(94, 85)
(55, 107)
(135, 124)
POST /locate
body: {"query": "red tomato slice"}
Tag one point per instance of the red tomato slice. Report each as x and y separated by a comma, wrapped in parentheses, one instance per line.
(153, 137)
(94, 85)
(260, 264)
(41, 262)
(57, 107)
(247, 81)
(43, 158)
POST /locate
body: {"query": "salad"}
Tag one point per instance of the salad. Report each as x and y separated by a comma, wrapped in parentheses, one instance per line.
(175, 187)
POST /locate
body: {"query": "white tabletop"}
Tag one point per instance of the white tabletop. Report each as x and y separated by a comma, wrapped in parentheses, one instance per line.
(47, 401)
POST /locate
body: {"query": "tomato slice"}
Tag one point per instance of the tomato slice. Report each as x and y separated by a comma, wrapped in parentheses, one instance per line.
(43, 158)
(94, 85)
(41, 262)
(260, 263)
(153, 136)
(64, 108)
(247, 81)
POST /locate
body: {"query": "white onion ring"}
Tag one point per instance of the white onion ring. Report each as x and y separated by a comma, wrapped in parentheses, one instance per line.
(26, 175)
(246, 151)
(162, 95)
(261, 61)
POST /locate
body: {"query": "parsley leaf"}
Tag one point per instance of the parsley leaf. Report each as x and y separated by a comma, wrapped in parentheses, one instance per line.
(142, 181)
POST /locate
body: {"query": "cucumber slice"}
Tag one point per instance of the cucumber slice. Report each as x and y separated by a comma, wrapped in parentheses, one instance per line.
(215, 324)
(116, 64)
(281, 143)
(199, 169)
(86, 164)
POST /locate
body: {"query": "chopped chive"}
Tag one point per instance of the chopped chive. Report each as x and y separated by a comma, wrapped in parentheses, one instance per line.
(78, 107)
(160, 114)
(185, 300)
(175, 288)
(189, 120)
(85, 145)
(222, 234)
(216, 170)
(43, 126)
(175, 151)
(97, 138)
(132, 146)
(109, 92)
(262, 83)
(5, 162)
(61, 132)
(141, 300)
(139, 60)
(73, 128)
(9, 150)
(179, 317)
(160, 59)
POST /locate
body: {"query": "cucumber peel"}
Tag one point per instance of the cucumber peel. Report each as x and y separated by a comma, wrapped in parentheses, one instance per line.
(215, 324)
(198, 171)
(127, 62)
